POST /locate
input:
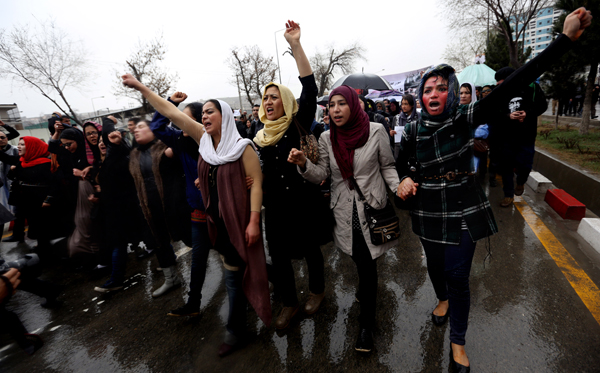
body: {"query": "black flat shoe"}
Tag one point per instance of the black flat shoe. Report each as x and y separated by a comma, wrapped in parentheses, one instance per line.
(456, 367)
(364, 343)
(440, 320)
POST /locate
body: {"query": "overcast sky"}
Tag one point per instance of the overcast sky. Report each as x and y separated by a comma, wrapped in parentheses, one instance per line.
(398, 36)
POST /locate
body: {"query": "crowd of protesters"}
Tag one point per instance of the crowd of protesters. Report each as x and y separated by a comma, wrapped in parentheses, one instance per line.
(202, 177)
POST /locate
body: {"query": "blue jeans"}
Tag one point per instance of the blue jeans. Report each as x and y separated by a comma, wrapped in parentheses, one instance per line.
(119, 264)
(236, 321)
(201, 246)
(449, 267)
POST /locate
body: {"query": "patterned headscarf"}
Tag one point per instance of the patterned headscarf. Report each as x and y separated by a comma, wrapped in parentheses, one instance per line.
(445, 72)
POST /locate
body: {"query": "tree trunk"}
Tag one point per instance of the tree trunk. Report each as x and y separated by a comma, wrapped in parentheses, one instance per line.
(513, 51)
(584, 128)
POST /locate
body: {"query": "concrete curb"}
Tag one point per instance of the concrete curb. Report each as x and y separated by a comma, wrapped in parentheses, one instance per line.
(538, 182)
(589, 230)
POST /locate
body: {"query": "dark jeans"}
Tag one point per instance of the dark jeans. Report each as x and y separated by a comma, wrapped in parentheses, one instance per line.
(201, 246)
(449, 267)
(515, 158)
(366, 267)
(119, 264)
(284, 274)
(236, 321)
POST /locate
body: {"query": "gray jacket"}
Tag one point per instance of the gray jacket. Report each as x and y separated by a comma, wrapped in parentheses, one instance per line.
(373, 169)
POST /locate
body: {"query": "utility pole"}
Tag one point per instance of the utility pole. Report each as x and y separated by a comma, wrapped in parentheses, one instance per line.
(237, 78)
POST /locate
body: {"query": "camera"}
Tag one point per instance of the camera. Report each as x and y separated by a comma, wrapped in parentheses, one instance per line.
(25, 264)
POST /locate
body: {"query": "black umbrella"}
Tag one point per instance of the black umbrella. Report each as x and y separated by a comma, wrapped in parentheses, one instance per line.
(363, 81)
(323, 100)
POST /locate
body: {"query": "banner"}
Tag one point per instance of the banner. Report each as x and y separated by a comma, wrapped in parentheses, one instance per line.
(406, 82)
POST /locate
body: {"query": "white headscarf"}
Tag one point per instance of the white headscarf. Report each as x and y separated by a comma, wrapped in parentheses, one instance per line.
(473, 93)
(232, 145)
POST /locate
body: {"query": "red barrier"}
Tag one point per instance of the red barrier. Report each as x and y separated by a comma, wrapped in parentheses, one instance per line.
(564, 204)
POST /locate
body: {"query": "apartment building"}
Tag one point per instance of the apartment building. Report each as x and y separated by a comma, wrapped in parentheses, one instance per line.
(538, 32)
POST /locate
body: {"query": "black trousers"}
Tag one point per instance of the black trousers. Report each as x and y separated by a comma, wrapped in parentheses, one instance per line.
(286, 281)
(449, 267)
(366, 267)
(164, 253)
(10, 323)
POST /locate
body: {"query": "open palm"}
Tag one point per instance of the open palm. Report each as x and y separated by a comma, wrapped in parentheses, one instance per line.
(292, 31)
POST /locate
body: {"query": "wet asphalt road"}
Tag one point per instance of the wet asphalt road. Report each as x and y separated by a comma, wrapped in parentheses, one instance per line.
(525, 316)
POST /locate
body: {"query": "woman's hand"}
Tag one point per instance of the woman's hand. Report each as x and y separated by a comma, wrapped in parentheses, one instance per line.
(576, 22)
(197, 183)
(392, 133)
(249, 182)
(297, 157)
(112, 118)
(13, 277)
(85, 172)
(115, 137)
(77, 172)
(407, 188)
(45, 205)
(169, 153)
(292, 32)
(93, 198)
(253, 230)
(131, 82)
(178, 97)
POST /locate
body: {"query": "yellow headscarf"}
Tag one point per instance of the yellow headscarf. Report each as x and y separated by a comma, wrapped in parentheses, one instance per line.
(274, 129)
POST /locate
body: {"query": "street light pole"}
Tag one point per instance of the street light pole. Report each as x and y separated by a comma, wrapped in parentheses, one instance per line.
(94, 107)
(277, 53)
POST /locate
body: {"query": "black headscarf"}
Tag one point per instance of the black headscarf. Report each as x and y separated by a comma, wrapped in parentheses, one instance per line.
(78, 158)
(94, 148)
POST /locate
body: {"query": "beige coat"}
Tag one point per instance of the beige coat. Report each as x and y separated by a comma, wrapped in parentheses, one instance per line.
(373, 169)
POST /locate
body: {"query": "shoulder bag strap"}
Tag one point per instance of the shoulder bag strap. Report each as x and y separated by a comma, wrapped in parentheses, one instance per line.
(355, 184)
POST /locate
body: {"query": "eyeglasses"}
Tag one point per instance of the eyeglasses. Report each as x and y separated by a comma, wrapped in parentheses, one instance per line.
(68, 144)
(91, 133)
(486, 91)
(2, 137)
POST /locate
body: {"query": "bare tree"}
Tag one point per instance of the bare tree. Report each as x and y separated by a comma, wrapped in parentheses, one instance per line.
(252, 70)
(325, 65)
(461, 53)
(145, 65)
(44, 58)
(498, 14)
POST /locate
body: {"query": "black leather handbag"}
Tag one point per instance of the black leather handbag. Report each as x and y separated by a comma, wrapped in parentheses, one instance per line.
(384, 224)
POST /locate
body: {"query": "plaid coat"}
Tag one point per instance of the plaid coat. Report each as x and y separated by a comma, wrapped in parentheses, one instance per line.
(442, 204)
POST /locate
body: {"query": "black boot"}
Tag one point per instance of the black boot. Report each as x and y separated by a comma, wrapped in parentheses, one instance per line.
(364, 342)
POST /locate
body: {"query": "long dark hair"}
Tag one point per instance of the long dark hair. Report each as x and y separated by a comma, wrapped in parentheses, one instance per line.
(196, 110)
(467, 86)
(216, 103)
